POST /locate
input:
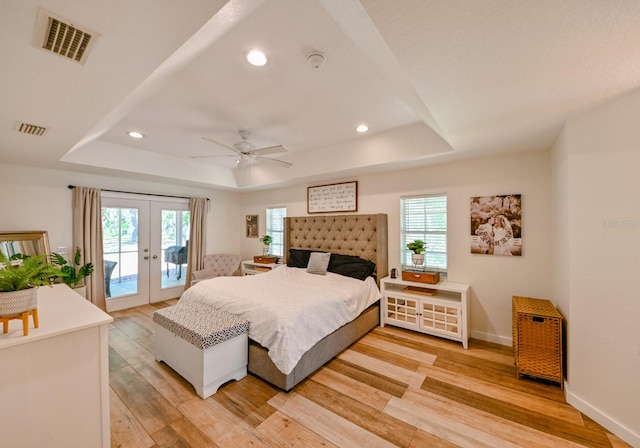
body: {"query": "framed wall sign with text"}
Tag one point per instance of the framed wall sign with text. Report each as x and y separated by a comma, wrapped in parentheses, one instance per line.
(342, 197)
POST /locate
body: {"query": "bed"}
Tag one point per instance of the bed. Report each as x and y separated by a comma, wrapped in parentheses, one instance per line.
(364, 236)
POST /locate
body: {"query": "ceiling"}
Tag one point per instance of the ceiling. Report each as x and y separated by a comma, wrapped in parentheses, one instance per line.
(434, 80)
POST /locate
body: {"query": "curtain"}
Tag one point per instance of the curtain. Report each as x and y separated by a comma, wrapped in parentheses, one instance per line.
(197, 237)
(87, 235)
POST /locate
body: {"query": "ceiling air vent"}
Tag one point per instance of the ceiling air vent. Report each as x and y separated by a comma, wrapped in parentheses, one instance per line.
(61, 37)
(31, 129)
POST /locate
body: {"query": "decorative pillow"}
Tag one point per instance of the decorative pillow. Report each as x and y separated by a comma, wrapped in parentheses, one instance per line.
(318, 263)
(351, 266)
(298, 258)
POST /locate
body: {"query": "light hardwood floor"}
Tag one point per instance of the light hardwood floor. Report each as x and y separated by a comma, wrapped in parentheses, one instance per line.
(392, 388)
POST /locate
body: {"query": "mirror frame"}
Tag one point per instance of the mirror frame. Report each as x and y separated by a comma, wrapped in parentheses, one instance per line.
(39, 236)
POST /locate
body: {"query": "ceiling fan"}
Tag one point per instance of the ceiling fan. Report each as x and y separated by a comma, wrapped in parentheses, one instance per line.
(246, 151)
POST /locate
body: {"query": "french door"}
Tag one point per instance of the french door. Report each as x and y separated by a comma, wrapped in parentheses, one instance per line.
(145, 244)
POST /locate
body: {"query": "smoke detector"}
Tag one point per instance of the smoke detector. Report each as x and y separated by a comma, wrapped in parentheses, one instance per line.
(316, 60)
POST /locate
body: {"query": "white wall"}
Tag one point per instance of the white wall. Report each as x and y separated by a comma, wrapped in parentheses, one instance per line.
(602, 189)
(494, 280)
(38, 199)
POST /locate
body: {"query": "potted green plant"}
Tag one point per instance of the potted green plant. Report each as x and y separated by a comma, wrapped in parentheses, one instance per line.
(75, 272)
(266, 240)
(20, 277)
(417, 247)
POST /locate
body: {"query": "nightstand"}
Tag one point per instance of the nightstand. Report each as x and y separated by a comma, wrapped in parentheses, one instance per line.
(250, 267)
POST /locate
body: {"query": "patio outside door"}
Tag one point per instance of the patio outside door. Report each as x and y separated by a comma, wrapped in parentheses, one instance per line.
(145, 245)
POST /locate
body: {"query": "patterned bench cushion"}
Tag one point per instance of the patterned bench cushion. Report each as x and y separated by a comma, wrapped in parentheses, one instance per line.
(200, 325)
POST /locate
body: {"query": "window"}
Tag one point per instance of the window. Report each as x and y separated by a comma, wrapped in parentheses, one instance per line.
(275, 228)
(425, 218)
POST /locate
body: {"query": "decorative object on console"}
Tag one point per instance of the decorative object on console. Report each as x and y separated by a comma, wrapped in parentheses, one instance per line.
(341, 197)
(75, 272)
(430, 277)
(496, 225)
(20, 277)
(417, 247)
(266, 241)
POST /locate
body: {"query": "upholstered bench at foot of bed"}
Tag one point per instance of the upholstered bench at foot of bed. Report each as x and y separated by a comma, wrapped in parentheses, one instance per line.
(207, 346)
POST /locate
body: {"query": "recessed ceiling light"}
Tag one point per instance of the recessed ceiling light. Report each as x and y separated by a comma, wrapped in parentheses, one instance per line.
(362, 128)
(257, 58)
(135, 134)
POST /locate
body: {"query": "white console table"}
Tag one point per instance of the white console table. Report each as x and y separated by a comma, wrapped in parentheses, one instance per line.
(444, 312)
(54, 383)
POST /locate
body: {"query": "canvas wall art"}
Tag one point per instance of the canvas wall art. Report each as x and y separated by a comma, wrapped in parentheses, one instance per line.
(496, 225)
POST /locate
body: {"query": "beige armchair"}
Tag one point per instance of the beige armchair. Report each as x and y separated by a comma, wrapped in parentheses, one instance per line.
(217, 265)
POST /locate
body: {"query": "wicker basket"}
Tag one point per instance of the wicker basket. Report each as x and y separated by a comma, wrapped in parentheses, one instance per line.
(16, 302)
(537, 339)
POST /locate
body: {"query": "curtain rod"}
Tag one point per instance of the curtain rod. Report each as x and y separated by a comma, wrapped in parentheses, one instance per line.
(71, 187)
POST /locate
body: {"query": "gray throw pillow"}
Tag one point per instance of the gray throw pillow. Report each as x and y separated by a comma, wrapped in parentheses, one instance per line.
(318, 263)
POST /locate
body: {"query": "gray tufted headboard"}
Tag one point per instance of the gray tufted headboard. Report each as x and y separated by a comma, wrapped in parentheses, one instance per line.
(361, 235)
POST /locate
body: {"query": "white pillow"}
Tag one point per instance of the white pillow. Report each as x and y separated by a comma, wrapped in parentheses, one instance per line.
(318, 263)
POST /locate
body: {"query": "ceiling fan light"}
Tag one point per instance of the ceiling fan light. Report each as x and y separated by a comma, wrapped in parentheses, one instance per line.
(257, 58)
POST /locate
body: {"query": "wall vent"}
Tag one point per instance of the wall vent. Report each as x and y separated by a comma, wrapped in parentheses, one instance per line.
(31, 129)
(59, 36)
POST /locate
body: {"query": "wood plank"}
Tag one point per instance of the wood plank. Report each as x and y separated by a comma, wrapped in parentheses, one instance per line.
(375, 341)
(151, 409)
(220, 425)
(126, 347)
(286, 432)
(366, 376)
(247, 400)
(326, 424)
(483, 421)
(361, 392)
(164, 379)
(412, 379)
(552, 408)
(182, 433)
(442, 427)
(372, 420)
(126, 431)
(424, 439)
(512, 412)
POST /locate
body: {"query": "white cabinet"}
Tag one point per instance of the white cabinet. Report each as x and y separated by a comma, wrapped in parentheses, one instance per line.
(441, 309)
(54, 383)
(250, 267)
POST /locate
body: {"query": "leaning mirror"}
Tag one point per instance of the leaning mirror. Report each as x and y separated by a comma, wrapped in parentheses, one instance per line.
(34, 242)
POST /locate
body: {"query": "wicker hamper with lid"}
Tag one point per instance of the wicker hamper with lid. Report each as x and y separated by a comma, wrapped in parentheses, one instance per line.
(537, 339)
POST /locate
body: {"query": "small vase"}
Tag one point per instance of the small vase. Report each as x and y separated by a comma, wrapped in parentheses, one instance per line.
(417, 259)
(265, 251)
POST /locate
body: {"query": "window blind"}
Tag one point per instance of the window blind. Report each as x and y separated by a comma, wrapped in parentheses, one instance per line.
(425, 218)
(275, 228)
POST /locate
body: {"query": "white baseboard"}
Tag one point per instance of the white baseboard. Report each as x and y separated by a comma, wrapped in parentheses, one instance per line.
(602, 419)
(495, 338)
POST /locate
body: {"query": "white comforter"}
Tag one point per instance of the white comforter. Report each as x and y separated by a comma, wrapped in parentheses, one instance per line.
(288, 309)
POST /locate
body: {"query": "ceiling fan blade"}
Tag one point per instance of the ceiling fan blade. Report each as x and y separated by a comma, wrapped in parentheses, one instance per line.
(224, 145)
(283, 164)
(270, 150)
(212, 156)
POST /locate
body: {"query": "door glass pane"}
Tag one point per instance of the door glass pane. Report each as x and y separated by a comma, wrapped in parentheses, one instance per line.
(120, 246)
(175, 247)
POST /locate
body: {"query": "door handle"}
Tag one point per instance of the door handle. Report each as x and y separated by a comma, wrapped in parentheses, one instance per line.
(146, 257)
(154, 257)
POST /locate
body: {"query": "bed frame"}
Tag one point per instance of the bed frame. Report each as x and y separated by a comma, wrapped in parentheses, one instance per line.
(361, 235)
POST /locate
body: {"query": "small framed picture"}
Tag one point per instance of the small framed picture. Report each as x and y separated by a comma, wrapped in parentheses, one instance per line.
(252, 226)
